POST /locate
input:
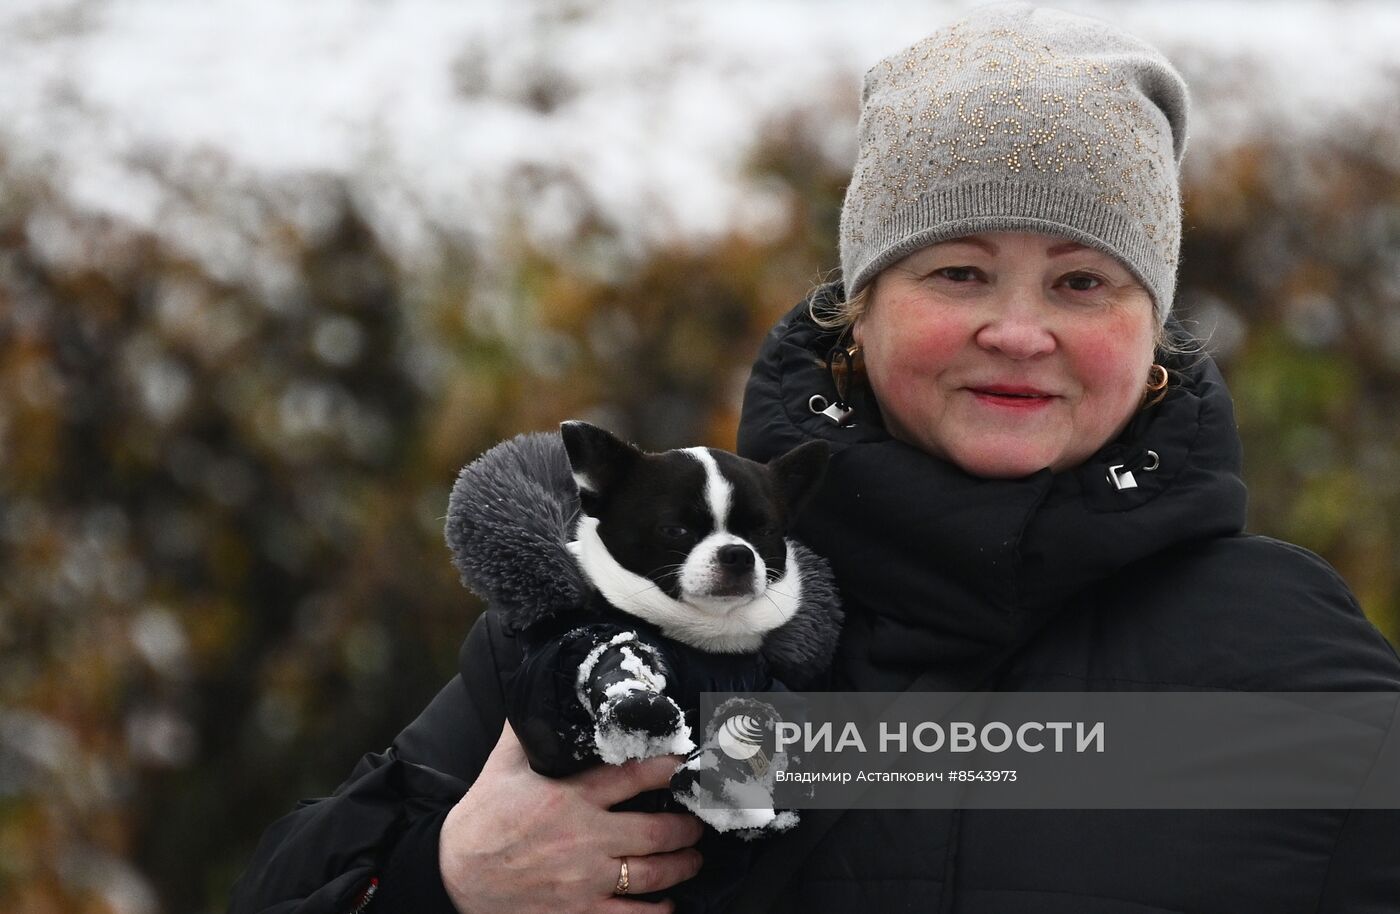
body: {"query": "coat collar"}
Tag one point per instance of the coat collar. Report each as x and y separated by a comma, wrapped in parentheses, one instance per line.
(939, 568)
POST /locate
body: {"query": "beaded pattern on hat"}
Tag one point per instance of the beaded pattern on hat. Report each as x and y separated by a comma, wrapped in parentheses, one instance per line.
(1020, 118)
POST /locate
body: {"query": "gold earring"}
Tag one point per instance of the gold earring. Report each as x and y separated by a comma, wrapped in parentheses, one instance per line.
(1157, 379)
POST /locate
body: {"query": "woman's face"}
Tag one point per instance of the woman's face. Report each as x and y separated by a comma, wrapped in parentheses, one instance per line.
(1007, 352)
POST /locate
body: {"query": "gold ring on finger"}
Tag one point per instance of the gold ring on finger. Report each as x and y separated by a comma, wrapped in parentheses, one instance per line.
(622, 880)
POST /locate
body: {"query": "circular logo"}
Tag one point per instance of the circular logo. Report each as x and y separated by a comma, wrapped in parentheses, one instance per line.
(741, 737)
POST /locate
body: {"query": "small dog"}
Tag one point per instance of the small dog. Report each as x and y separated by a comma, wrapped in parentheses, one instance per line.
(691, 541)
(637, 581)
(634, 582)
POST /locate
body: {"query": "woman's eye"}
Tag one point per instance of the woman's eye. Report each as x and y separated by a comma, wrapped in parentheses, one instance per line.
(674, 531)
(956, 274)
(1082, 278)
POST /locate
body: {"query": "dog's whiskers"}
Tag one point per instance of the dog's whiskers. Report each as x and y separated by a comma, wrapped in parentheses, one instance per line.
(651, 585)
(775, 603)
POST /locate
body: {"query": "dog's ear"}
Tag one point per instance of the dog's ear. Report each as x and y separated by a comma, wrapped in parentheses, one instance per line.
(797, 473)
(599, 458)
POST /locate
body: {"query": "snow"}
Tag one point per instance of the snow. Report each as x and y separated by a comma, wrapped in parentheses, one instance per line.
(645, 676)
(742, 806)
(475, 123)
(734, 818)
(616, 745)
(727, 791)
(649, 677)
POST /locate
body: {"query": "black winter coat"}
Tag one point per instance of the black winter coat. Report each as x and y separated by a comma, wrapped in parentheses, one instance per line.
(1052, 582)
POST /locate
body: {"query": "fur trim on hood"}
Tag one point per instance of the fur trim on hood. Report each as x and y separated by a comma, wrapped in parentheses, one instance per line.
(512, 514)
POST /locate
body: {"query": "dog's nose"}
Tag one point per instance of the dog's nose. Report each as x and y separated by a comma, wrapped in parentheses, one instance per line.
(736, 558)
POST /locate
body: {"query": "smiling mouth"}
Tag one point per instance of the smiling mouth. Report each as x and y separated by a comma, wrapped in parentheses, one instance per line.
(1017, 398)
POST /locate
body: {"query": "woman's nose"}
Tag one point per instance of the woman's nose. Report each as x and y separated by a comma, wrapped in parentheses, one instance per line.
(1017, 328)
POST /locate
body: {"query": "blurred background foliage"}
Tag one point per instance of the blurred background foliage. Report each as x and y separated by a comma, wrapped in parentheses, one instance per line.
(222, 575)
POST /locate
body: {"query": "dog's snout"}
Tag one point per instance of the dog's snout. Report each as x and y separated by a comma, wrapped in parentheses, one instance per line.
(736, 558)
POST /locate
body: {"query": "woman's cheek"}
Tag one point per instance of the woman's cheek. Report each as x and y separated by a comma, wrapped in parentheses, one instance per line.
(920, 341)
(1100, 363)
(905, 369)
(1111, 364)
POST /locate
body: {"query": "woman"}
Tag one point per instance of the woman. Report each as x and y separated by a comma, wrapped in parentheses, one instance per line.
(1032, 487)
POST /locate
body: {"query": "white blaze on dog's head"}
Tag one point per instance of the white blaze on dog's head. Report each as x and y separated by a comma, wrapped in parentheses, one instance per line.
(718, 491)
(713, 575)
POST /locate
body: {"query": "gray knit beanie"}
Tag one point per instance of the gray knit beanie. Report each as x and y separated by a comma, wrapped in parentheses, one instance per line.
(1019, 118)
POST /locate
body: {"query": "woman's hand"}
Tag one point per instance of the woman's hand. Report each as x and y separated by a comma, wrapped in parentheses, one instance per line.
(521, 842)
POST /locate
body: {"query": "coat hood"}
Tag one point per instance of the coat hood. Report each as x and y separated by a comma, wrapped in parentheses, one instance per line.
(938, 567)
(510, 518)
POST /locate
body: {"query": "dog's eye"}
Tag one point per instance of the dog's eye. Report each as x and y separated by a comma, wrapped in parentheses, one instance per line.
(674, 531)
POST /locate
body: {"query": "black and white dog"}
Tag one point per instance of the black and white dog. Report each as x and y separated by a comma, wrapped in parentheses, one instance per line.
(679, 580)
(692, 542)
